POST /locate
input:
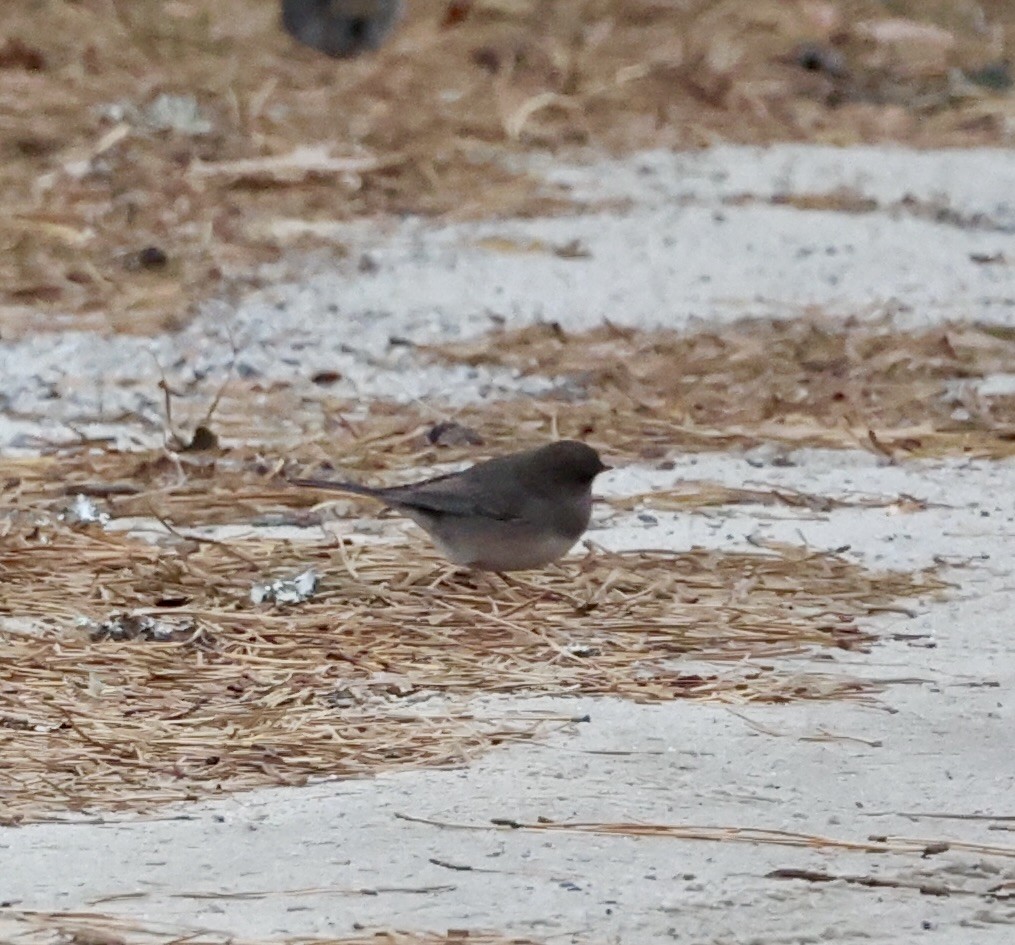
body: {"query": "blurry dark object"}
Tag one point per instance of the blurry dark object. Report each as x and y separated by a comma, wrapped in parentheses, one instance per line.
(486, 57)
(16, 54)
(988, 259)
(449, 433)
(149, 257)
(457, 11)
(997, 76)
(204, 439)
(152, 257)
(340, 28)
(817, 57)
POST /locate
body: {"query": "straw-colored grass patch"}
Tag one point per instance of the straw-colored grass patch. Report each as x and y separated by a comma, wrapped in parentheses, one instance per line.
(136, 673)
(872, 844)
(640, 396)
(799, 382)
(241, 486)
(91, 927)
(137, 670)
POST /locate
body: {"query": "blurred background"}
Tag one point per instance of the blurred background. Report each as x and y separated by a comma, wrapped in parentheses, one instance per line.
(156, 151)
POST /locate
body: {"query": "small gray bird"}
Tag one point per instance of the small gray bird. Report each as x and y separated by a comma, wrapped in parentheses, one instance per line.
(507, 514)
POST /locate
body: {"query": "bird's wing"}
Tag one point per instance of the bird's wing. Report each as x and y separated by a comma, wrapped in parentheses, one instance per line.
(446, 497)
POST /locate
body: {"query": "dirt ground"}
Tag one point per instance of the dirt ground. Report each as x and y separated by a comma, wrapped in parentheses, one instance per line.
(768, 701)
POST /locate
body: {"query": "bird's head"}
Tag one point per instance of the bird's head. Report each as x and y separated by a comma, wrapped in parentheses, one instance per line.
(566, 463)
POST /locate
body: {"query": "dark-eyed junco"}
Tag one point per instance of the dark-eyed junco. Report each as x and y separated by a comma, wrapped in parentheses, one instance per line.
(507, 514)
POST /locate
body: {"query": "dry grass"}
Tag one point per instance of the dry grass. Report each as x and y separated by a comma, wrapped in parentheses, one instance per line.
(377, 669)
(803, 383)
(787, 838)
(240, 487)
(93, 174)
(638, 395)
(380, 668)
(25, 927)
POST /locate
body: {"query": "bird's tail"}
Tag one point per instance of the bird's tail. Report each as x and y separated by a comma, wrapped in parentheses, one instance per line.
(352, 487)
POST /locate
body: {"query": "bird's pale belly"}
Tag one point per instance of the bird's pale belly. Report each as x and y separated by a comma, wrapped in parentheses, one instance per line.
(505, 546)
